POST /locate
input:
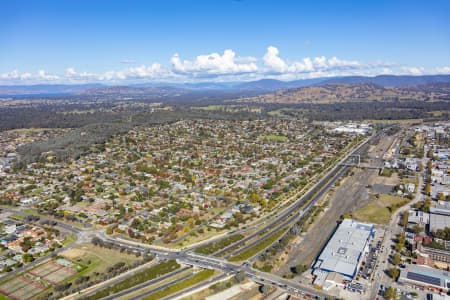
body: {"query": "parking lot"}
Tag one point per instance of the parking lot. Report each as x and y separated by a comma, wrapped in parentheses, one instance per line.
(370, 260)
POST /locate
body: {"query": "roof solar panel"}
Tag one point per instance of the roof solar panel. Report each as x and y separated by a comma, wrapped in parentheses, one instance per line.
(424, 278)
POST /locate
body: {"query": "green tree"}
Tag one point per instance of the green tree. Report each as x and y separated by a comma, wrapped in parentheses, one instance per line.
(428, 189)
(404, 220)
(396, 259)
(109, 230)
(394, 273)
(299, 269)
(390, 293)
(27, 257)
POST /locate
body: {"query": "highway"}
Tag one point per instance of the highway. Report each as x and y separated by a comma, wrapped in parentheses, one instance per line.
(209, 262)
(159, 288)
(316, 192)
(149, 283)
(289, 215)
(285, 219)
(294, 217)
(202, 285)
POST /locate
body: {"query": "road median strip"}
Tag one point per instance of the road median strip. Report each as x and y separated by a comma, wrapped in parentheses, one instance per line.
(153, 272)
(246, 254)
(182, 285)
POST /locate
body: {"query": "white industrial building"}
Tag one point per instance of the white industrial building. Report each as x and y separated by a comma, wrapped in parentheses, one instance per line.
(418, 217)
(346, 248)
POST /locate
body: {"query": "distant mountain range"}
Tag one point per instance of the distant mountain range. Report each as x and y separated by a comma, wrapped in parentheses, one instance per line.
(46, 89)
(391, 80)
(259, 86)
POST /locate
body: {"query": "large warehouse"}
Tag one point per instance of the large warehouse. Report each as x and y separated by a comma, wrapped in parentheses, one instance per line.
(345, 249)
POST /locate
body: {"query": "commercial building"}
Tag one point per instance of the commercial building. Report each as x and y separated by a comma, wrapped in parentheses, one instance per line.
(346, 248)
(418, 217)
(435, 254)
(423, 276)
(439, 217)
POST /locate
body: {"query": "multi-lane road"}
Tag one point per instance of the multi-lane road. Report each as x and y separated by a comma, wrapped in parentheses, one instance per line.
(281, 221)
(290, 215)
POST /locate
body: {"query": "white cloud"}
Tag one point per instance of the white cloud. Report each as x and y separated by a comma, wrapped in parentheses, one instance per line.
(141, 72)
(226, 66)
(413, 70)
(214, 64)
(275, 64)
(273, 61)
(335, 62)
(15, 75)
(70, 72)
(41, 74)
(387, 71)
(73, 75)
(442, 70)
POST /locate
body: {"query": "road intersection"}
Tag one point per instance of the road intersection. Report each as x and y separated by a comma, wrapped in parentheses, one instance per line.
(281, 221)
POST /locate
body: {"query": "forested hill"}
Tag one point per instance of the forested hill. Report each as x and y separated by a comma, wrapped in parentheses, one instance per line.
(366, 92)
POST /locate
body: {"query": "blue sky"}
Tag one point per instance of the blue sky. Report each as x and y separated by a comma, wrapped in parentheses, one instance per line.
(142, 41)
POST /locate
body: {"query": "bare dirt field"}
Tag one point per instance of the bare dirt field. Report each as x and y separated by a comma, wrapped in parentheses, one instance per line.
(72, 253)
(352, 194)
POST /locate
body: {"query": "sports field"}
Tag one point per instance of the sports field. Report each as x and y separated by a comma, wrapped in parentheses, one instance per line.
(21, 288)
(35, 281)
(46, 269)
(59, 275)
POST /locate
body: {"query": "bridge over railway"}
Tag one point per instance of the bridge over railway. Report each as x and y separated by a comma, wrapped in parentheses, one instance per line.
(355, 161)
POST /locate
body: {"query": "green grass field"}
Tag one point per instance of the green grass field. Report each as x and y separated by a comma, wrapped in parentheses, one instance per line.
(30, 211)
(389, 200)
(274, 138)
(18, 217)
(69, 239)
(211, 107)
(216, 246)
(373, 213)
(97, 259)
(197, 278)
(258, 247)
(379, 211)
